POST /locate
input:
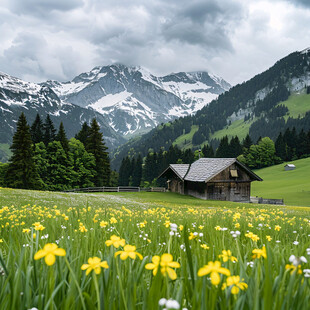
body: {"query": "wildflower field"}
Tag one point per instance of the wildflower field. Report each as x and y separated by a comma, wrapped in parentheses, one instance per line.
(150, 251)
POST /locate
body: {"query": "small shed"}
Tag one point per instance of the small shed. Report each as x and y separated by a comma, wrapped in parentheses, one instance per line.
(288, 167)
(212, 178)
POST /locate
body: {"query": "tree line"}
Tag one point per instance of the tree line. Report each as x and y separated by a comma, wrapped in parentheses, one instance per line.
(290, 145)
(43, 158)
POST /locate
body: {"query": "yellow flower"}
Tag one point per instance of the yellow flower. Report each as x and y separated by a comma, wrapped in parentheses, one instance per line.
(218, 228)
(94, 263)
(227, 255)
(258, 253)
(38, 226)
(49, 252)
(82, 228)
(250, 225)
(201, 227)
(129, 250)
(293, 268)
(268, 238)
(237, 225)
(204, 246)
(103, 224)
(234, 281)
(167, 224)
(277, 227)
(215, 269)
(26, 230)
(192, 236)
(1, 240)
(252, 236)
(34, 236)
(115, 241)
(181, 227)
(166, 263)
(113, 220)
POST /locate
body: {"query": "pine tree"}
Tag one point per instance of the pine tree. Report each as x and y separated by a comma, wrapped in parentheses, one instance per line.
(36, 130)
(223, 149)
(95, 145)
(235, 148)
(21, 172)
(83, 134)
(207, 151)
(280, 147)
(137, 172)
(49, 131)
(124, 172)
(247, 142)
(62, 138)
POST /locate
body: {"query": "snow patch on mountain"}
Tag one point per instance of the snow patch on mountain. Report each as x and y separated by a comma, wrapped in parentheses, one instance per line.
(134, 100)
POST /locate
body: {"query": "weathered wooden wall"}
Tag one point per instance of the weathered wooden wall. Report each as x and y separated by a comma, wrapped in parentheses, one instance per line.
(223, 186)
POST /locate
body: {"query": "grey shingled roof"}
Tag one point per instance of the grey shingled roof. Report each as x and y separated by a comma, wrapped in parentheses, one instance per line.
(180, 169)
(204, 169)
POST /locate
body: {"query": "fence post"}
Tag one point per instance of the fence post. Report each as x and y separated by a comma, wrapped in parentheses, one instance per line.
(118, 189)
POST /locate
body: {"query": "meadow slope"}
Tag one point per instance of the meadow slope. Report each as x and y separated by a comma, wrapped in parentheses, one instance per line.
(293, 186)
(150, 251)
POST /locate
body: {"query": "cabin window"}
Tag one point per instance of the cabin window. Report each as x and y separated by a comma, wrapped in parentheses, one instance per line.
(234, 173)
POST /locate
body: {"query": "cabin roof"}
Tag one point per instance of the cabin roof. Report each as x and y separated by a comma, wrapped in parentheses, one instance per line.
(290, 165)
(204, 169)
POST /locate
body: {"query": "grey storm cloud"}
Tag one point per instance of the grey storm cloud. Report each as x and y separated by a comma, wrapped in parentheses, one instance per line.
(58, 39)
(41, 8)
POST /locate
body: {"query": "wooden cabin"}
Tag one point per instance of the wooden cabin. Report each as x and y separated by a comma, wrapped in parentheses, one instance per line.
(212, 178)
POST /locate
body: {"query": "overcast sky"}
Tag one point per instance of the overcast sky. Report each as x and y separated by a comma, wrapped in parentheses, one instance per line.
(234, 39)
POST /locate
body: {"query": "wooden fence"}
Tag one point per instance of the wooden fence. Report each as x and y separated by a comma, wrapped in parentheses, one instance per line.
(108, 189)
(267, 201)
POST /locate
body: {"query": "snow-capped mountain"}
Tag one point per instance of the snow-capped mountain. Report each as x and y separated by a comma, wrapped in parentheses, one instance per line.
(17, 96)
(133, 100)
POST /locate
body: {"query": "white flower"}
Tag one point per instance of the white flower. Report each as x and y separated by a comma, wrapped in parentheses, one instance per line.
(278, 241)
(172, 304)
(307, 273)
(295, 260)
(171, 233)
(251, 264)
(295, 242)
(162, 302)
(224, 228)
(200, 234)
(173, 226)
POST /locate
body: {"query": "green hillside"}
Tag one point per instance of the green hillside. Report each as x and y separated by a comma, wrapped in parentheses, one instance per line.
(5, 152)
(293, 186)
(297, 105)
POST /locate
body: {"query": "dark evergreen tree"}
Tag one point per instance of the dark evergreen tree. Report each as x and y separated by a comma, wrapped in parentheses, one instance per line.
(280, 147)
(22, 172)
(62, 138)
(137, 172)
(301, 146)
(247, 142)
(235, 148)
(95, 145)
(83, 134)
(149, 168)
(207, 151)
(36, 130)
(124, 172)
(49, 131)
(223, 149)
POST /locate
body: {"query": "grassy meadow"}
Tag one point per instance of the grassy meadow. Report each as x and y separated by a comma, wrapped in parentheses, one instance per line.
(150, 251)
(293, 186)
